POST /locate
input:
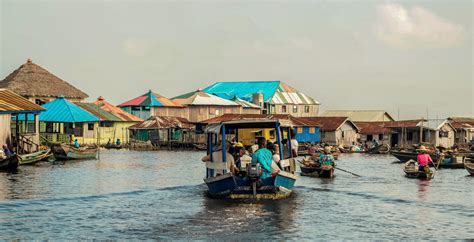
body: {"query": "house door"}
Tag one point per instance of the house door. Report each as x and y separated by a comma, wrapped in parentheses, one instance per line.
(394, 140)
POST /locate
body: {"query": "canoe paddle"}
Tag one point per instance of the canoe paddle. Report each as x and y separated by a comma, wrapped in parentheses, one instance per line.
(348, 172)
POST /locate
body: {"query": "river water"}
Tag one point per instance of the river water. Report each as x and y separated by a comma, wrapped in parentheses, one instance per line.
(161, 195)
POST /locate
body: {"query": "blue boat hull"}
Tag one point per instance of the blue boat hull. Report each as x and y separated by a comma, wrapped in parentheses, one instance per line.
(240, 187)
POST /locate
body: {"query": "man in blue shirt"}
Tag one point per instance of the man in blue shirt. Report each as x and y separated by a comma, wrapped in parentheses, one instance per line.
(264, 157)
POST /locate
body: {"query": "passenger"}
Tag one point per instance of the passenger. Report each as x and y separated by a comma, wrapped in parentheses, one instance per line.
(376, 143)
(294, 145)
(423, 158)
(326, 159)
(254, 147)
(2, 154)
(109, 142)
(217, 157)
(76, 144)
(264, 157)
(118, 142)
(275, 149)
(244, 159)
(7, 151)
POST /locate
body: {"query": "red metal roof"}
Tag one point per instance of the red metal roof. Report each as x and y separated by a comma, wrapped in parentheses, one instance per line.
(328, 123)
(404, 123)
(373, 127)
(116, 111)
(134, 102)
(461, 122)
(233, 117)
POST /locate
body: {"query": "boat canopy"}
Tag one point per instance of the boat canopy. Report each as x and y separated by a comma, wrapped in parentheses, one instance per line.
(245, 124)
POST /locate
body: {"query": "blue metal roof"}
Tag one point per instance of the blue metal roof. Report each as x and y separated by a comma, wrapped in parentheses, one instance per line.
(244, 90)
(62, 111)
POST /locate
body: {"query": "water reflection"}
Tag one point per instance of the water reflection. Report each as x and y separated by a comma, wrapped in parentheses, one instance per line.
(423, 189)
(161, 195)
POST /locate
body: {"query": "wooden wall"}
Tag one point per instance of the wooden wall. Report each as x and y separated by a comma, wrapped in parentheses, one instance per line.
(5, 129)
(200, 113)
(170, 111)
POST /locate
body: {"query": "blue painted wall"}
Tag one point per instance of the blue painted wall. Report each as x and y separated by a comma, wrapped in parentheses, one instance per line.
(306, 136)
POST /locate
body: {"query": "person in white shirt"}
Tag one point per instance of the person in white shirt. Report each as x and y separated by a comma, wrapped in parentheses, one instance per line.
(294, 147)
(217, 157)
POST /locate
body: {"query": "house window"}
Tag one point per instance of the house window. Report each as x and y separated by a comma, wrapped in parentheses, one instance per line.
(146, 108)
(299, 130)
(295, 109)
(312, 130)
(90, 126)
(272, 134)
(30, 127)
(136, 109)
(106, 124)
(443, 134)
(370, 137)
(343, 134)
(323, 134)
(380, 136)
(77, 129)
(283, 109)
(306, 109)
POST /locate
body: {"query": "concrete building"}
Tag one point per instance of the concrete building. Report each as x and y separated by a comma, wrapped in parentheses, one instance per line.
(39, 85)
(274, 97)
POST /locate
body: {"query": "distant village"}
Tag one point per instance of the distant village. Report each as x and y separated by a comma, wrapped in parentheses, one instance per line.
(37, 107)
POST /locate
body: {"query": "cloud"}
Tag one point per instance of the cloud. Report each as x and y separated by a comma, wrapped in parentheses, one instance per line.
(415, 28)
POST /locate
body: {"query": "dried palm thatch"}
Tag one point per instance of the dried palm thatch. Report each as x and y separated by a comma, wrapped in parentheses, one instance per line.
(31, 80)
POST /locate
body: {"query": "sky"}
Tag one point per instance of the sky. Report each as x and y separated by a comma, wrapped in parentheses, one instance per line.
(410, 58)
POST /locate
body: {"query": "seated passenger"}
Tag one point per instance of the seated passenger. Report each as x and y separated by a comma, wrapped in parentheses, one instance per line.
(275, 158)
(7, 151)
(76, 144)
(217, 157)
(118, 142)
(326, 159)
(243, 158)
(264, 157)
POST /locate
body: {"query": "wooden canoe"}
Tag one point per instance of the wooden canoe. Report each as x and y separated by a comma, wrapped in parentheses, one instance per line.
(380, 149)
(30, 159)
(317, 171)
(10, 164)
(411, 171)
(469, 166)
(67, 152)
(113, 146)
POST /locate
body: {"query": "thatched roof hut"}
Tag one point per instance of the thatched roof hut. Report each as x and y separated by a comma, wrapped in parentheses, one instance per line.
(31, 80)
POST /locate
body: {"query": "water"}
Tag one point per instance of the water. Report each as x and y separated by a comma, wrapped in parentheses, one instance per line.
(160, 195)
